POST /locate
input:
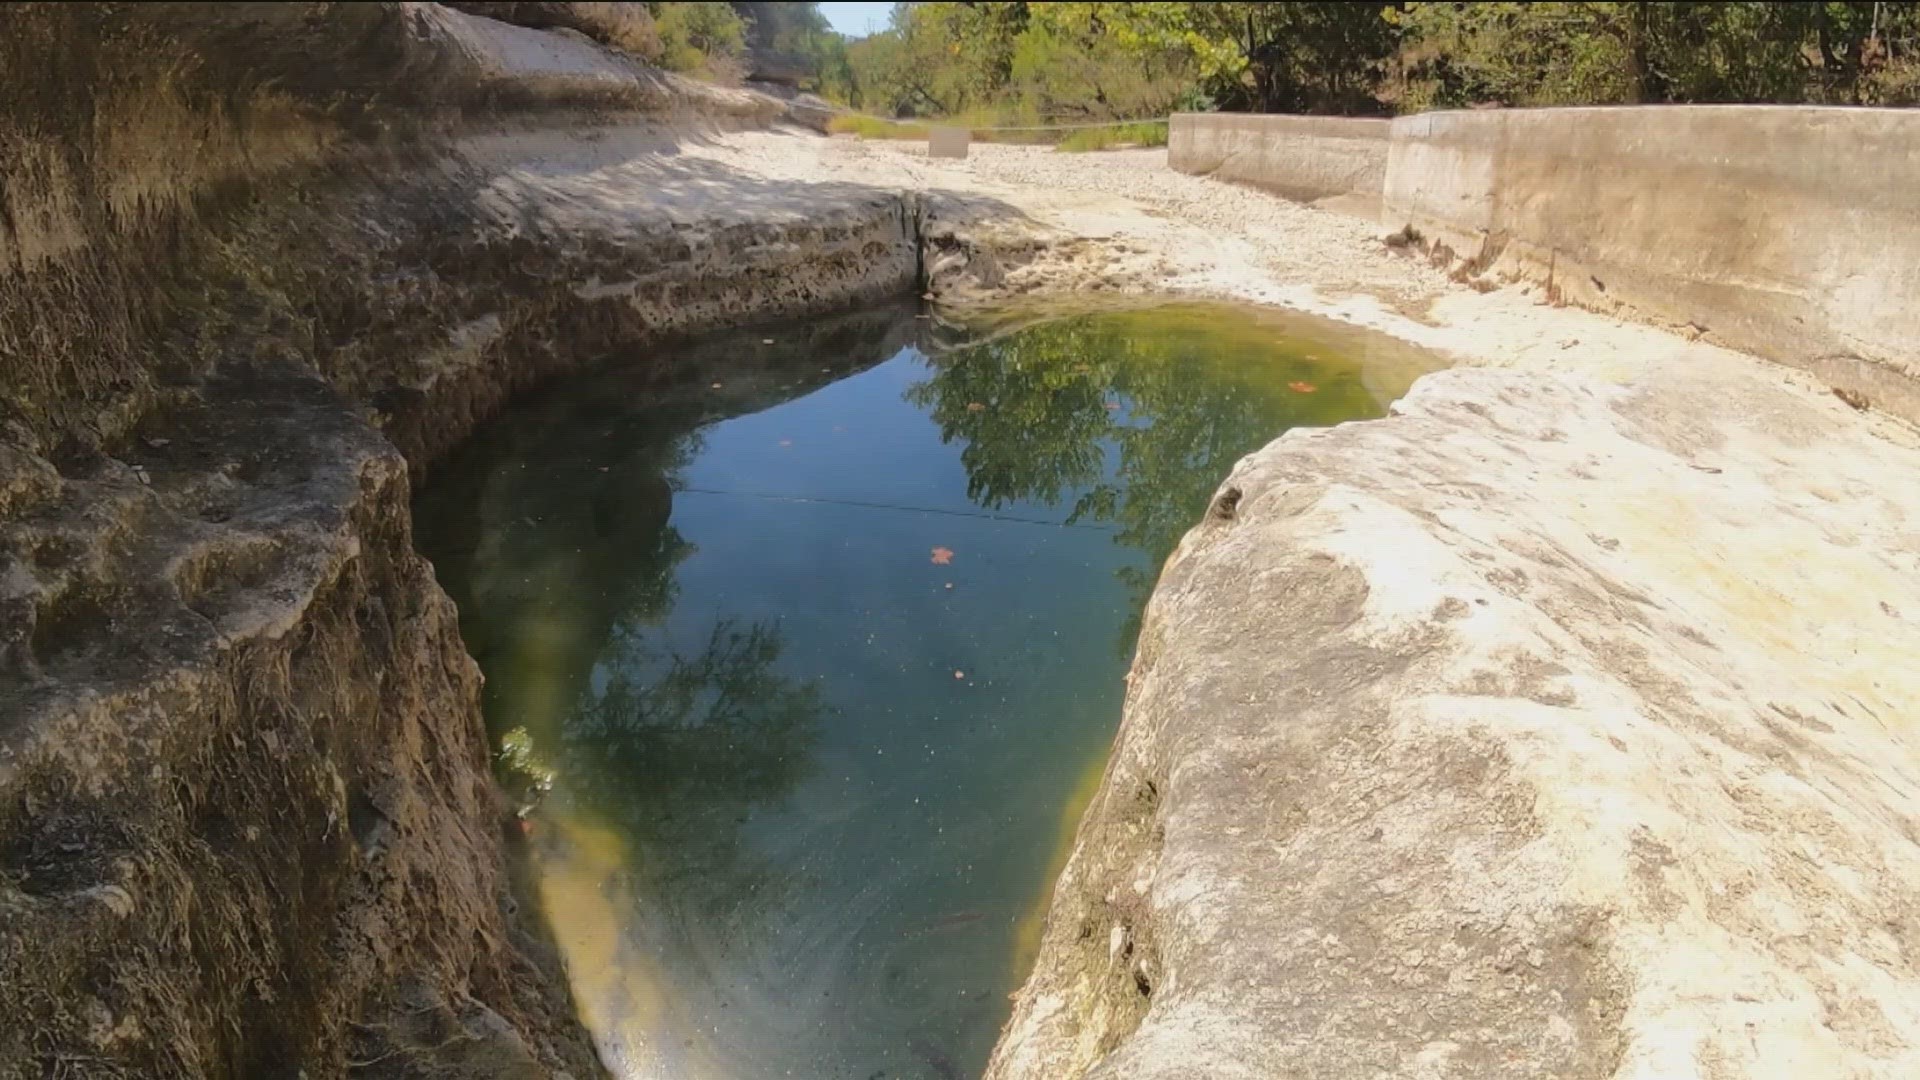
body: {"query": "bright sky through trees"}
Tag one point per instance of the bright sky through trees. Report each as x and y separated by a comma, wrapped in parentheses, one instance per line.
(857, 19)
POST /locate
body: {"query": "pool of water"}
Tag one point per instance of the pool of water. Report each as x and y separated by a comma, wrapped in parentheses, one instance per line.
(821, 655)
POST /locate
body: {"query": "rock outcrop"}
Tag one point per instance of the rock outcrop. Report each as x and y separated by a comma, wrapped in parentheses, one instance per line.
(1544, 728)
(627, 27)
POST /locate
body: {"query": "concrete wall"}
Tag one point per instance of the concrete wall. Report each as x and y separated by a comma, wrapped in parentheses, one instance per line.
(1787, 231)
(1300, 157)
(1790, 232)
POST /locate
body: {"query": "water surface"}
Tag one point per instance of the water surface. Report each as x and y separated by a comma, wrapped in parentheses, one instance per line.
(822, 658)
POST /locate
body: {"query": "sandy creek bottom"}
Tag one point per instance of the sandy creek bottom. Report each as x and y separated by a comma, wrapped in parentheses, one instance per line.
(818, 632)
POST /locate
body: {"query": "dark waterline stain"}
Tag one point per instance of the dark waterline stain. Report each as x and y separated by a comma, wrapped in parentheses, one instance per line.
(820, 653)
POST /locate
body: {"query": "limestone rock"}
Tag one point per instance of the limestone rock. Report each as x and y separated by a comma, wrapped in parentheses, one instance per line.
(627, 27)
(264, 262)
(1545, 728)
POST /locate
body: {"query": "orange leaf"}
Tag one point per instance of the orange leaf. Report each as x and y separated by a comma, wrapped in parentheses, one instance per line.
(974, 406)
(1302, 387)
(942, 556)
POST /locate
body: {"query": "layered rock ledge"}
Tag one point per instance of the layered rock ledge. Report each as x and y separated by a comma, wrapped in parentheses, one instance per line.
(260, 264)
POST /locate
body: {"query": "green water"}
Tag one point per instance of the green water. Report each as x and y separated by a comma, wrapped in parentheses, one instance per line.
(822, 657)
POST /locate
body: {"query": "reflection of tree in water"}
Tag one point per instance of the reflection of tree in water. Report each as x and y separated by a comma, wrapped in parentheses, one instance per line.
(550, 528)
(1033, 408)
(552, 532)
(674, 749)
(678, 747)
(1030, 410)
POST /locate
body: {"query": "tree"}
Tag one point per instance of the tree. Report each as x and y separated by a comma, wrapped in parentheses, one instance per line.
(1303, 57)
(707, 39)
(1127, 61)
(1624, 53)
(1090, 61)
(793, 44)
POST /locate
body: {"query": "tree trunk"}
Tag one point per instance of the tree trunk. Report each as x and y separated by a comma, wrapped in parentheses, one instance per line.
(1637, 24)
(1829, 63)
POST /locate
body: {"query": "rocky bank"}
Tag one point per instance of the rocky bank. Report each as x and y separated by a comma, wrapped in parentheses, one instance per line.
(1555, 725)
(1545, 728)
(259, 264)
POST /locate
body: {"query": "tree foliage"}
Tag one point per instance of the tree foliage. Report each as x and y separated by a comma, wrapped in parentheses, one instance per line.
(993, 61)
(1621, 53)
(790, 43)
(703, 39)
(1073, 61)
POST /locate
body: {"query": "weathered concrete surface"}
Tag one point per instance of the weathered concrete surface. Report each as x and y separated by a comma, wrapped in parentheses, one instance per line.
(1300, 157)
(1789, 232)
(1545, 728)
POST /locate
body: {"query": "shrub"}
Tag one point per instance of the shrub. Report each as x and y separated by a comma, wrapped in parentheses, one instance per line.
(702, 39)
(1145, 133)
(872, 127)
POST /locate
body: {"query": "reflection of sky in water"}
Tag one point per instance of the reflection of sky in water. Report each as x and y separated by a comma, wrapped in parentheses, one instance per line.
(811, 784)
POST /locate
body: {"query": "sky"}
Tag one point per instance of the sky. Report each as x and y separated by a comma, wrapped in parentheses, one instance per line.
(857, 20)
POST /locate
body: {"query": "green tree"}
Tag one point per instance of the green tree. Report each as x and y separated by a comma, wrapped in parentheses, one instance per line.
(1091, 61)
(794, 44)
(938, 59)
(703, 39)
(1301, 57)
(1125, 61)
(1456, 54)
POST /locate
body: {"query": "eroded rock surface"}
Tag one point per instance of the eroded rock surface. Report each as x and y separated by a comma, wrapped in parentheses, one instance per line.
(248, 811)
(261, 263)
(1548, 727)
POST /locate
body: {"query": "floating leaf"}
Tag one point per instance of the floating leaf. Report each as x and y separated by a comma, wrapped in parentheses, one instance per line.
(1301, 387)
(942, 556)
(959, 674)
(975, 406)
